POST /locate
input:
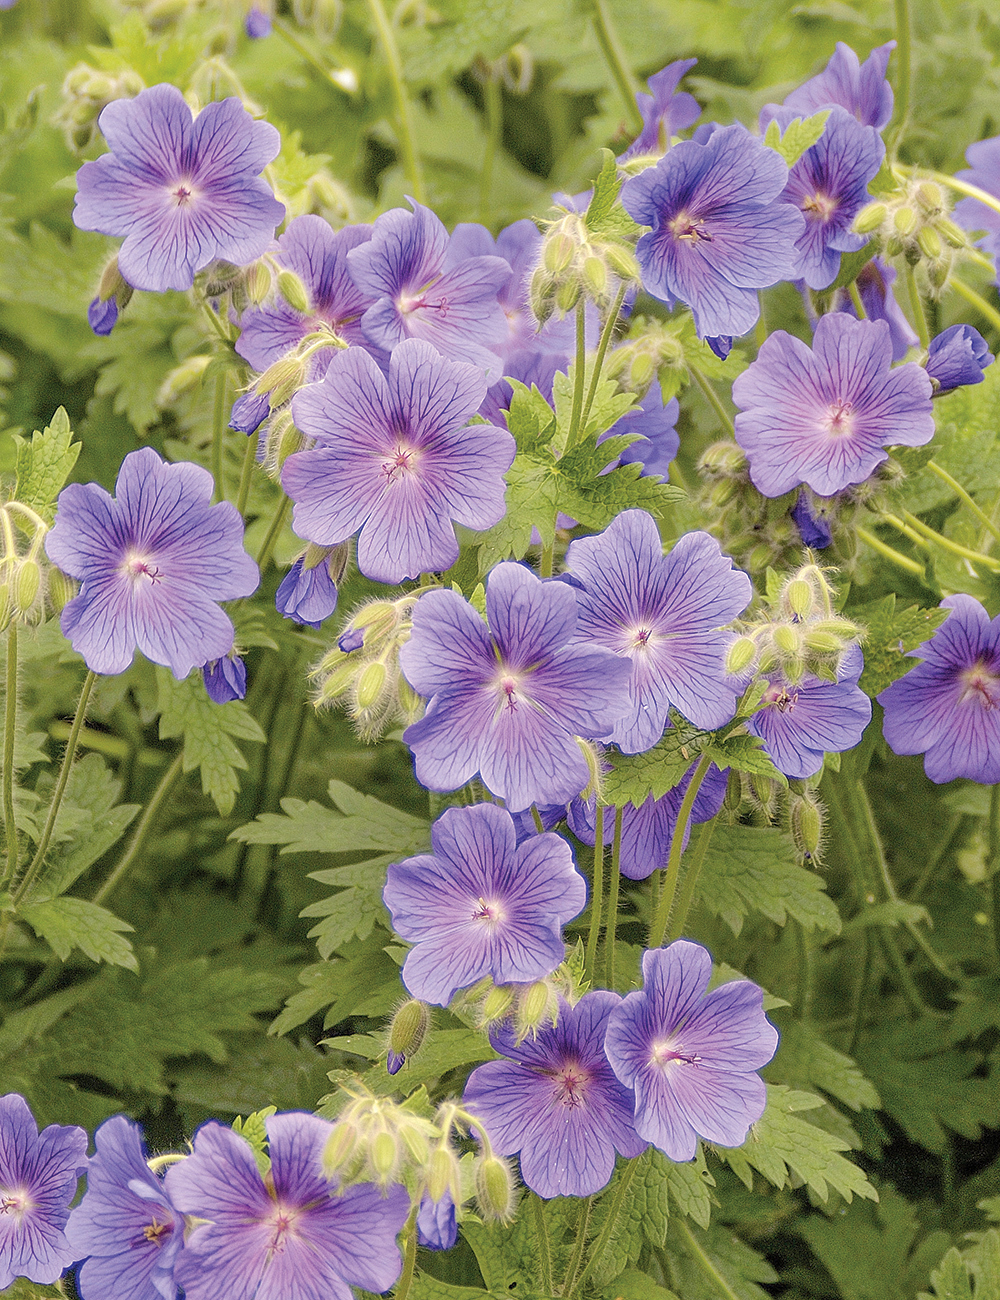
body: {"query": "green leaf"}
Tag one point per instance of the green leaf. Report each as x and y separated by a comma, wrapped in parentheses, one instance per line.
(363, 980)
(713, 1264)
(805, 1059)
(444, 1050)
(427, 1287)
(643, 1214)
(605, 217)
(530, 419)
(254, 1129)
(44, 465)
(896, 911)
(950, 1280)
(744, 753)
(67, 923)
(689, 1189)
(532, 501)
(781, 1145)
(608, 407)
(358, 823)
(967, 445)
(633, 777)
(633, 1284)
(799, 135)
(210, 731)
(756, 868)
(890, 634)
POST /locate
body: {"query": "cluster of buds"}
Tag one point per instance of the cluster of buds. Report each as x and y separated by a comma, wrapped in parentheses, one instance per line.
(527, 1007)
(86, 92)
(378, 1139)
(762, 802)
(22, 599)
(913, 221)
(801, 632)
(757, 531)
(652, 347)
(362, 674)
(574, 265)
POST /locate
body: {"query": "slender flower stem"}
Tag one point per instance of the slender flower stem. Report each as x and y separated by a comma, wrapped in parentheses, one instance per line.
(141, 831)
(904, 66)
(218, 432)
(993, 860)
(722, 1289)
(855, 297)
(988, 561)
(614, 55)
(544, 1255)
(342, 77)
(545, 560)
(409, 1258)
(713, 400)
(273, 533)
(607, 1231)
(964, 497)
(901, 561)
(917, 306)
(602, 351)
(404, 113)
(610, 931)
(493, 103)
(216, 324)
(666, 900)
(60, 790)
(579, 371)
(246, 477)
(579, 1247)
(9, 734)
(807, 975)
(916, 538)
(860, 993)
(985, 309)
(597, 892)
(698, 851)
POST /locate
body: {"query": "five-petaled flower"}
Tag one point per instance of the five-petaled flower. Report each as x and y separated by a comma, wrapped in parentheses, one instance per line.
(182, 190)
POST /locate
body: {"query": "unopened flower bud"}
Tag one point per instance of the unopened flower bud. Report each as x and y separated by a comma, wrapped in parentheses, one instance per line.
(740, 655)
(567, 296)
(293, 290)
(799, 596)
(893, 246)
(411, 704)
(805, 821)
(62, 589)
(952, 233)
(724, 458)
(384, 1156)
(27, 580)
(540, 295)
(930, 242)
(258, 282)
(6, 605)
(497, 1003)
(641, 371)
(337, 681)
(786, 638)
(905, 220)
(822, 642)
(595, 273)
(929, 197)
(870, 218)
(938, 273)
(533, 1008)
(443, 1174)
(182, 379)
(558, 252)
(281, 379)
(339, 1148)
(415, 1141)
(409, 1024)
(370, 684)
(622, 261)
(494, 1188)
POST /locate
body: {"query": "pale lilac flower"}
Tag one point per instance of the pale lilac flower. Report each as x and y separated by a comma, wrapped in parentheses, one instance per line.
(665, 112)
(691, 1057)
(125, 1229)
(225, 679)
(307, 593)
(799, 724)
(860, 88)
(958, 355)
(423, 289)
(249, 412)
(829, 186)
(38, 1177)
(825, 417)
(509, 701)
(152, 562)
(556, 1101)
(292, 1238)
(948, 707)
(663, 614)
(656, 423)
(718, 233)
(983, 158)
(396, 459)
(480, 905)
(182, 190)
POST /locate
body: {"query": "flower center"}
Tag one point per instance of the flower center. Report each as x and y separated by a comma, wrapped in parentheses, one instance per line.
(779, 697)
(690, 228)
(508, 686)
(399, 463)
(14, 1202)
(155, 1232)
(640, 639)
(664, 1051)
(820, 206)
(571, 1084)
(489, 912)
(839, 418)
(980, 686)
(182, 194)
(137, 567)
(283, 1222)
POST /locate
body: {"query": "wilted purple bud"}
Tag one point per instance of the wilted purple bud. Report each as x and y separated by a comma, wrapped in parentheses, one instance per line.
(249, 412)
(225, 679)
(352, 639)
(958, 356)
(437, 1228)
(102, 315)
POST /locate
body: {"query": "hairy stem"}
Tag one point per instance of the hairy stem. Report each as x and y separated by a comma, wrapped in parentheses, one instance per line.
(544, 1255)
(713, 400)
(9, 734)
(493, 103)
(141, 831)
(409, 1258)
(579, 371)
(404, 113)
(273, 533)
(917, 306)
(994, 862)
(989, 561)
(610, 930)
(722, 1289)
(698, 851)
(579, 1248)
(597, 892)
(666, 900)
(602, 351)
(218, 433)
(614, 55)
(610, 1224)
(985, 309)
(855, 297)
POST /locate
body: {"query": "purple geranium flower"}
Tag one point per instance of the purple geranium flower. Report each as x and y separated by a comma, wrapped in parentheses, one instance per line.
(875, 281)
(102, 315)
(479, 905)
(318, 256)
(811, 521)
(529, 366)
(396, 459)
(718, 233)
(860, 88)
(437, 1227)
(983, 158)
(655, 422)
(249, 412)
(664, 614)
(948, 707)
(257, 23)
(426, 290)
(125, 1229)
(958, 355)
(153, 561)
(664, 112)
(225, 679)
(690, 1057)
(556, 1101)
(38, 1177)
(647, 831)
(824, 417)
(290, 1238)
(308, 595)
(829, 186)
(508, 702)
(799, 724)
(182, 191)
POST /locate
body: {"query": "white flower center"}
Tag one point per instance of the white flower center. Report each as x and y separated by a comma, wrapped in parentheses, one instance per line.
(139, 567)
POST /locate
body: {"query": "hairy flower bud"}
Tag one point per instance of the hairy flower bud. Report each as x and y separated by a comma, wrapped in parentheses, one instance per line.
(799, 597)
(536, 1004)
(595, 275)
(494, 1188)
(408, 1028)
(182, 379)
(929, 198)
(870, 218)
(497, 1004)
(930, 242)
(25, 585)
(622, 261)
(905, 220)
(384, 1156)
(558, 251)
(340, 1147)
(952, 234)
(370, 684)
(443, 1173)
(567, 296)
(740, 655)
(806, 819)
(258, 282)
(62, 589)
(787, 639)
(293, 290)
